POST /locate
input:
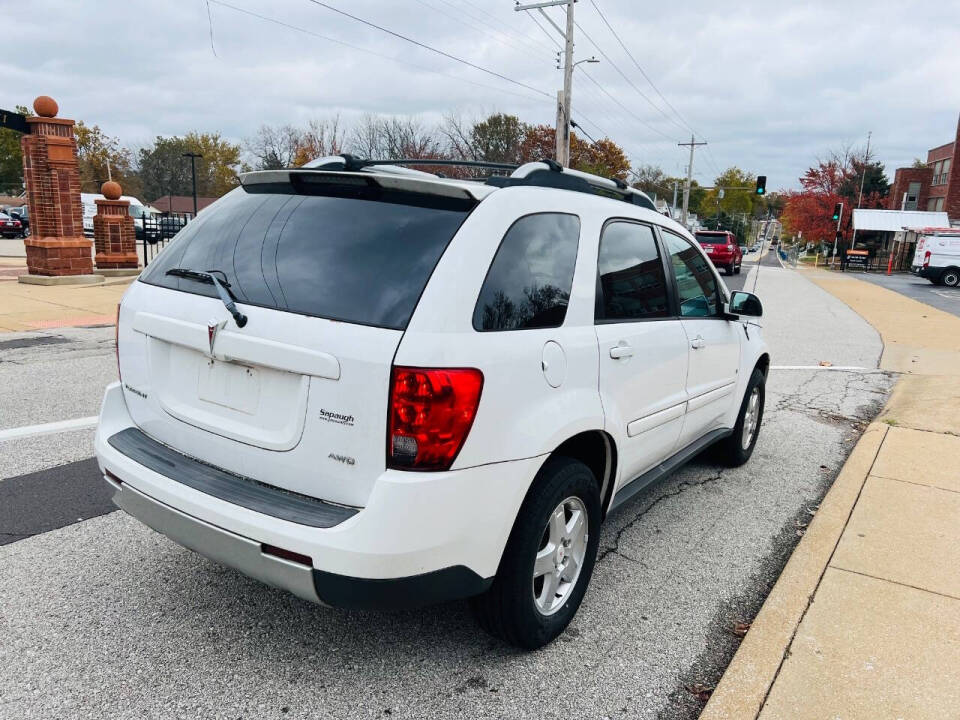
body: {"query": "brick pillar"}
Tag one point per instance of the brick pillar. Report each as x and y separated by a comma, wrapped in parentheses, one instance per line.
(114, 236)
(57, 251)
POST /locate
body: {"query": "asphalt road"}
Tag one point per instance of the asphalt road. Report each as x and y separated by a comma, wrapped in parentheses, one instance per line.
(943, 298)
(102, 617)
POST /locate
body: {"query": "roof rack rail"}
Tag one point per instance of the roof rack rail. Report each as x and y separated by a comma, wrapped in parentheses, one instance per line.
(544, 173)
(549, 173)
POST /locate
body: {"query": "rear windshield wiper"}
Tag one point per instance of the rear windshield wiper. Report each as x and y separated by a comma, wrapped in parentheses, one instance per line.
(226, 296)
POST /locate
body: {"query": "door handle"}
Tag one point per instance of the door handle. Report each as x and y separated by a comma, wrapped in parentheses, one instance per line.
(621, 351)
(698, 342)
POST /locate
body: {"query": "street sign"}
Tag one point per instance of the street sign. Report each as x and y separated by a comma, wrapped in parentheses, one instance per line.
(857, 259)
(13, 121)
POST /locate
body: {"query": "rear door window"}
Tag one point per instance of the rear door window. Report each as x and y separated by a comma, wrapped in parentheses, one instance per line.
(361, 259)
(529, 282)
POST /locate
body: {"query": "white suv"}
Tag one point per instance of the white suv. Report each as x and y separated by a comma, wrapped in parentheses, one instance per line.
(377, 387)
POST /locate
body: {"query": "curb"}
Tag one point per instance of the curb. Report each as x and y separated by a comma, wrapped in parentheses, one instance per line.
(743, 689)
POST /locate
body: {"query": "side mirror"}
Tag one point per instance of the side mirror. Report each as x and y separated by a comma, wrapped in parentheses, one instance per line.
(744, 303)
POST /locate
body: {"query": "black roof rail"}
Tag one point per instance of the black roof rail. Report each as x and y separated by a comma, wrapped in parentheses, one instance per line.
(551, 174)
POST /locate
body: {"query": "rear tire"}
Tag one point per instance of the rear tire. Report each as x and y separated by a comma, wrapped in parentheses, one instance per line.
(528, 610)
(736, 449)
(950, 277)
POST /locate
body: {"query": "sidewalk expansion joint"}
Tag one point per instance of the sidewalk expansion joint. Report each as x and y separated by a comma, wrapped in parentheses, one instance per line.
(916, 484)
(894, 582)
(803, 615)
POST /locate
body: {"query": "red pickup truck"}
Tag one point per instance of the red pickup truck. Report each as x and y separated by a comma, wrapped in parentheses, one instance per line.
(722, 248)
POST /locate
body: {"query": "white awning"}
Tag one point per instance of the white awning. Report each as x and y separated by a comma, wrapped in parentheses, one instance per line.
(897, 220)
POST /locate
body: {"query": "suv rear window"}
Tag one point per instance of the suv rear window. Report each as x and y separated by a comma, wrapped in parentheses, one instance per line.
(357, 256)
(712, 238)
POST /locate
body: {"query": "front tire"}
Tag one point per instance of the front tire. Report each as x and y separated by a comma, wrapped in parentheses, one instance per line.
(736, 449)
(548, 560)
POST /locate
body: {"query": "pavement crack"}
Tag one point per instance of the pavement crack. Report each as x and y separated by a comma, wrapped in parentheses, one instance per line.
(614, 549)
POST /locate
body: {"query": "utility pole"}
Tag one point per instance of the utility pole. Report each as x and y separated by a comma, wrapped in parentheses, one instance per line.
(686, 187)
(193, 171)
(564, 96)
(863, 178)
(673, 215)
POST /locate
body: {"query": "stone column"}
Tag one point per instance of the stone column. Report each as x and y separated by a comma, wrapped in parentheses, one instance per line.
(114, 236)
(57, 251)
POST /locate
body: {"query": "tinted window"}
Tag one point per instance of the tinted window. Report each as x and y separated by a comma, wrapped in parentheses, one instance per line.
(529, 282)
(632, 283)
(353, 259)
(696, 283)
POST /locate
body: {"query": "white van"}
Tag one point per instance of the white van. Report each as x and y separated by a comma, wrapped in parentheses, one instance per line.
(137, 211)
(937, 257)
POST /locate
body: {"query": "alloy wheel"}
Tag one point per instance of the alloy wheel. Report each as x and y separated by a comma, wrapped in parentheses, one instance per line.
(750, 418)
(560, 556)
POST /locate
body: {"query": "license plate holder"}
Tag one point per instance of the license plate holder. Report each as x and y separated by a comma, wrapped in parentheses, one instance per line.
(229, 385)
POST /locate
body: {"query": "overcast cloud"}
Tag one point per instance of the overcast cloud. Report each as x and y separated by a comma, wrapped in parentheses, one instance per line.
(770, 85)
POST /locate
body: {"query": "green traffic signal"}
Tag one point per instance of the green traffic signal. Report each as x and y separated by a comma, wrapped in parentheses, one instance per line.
(761, 184)
(837, 209)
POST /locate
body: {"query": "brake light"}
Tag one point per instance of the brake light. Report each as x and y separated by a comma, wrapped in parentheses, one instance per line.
(116, 341)
(430, 414)
(926, 259)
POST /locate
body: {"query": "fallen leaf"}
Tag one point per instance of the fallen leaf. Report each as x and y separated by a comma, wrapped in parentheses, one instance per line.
(826, 363)
(740, 628)
(701, 692)
(800, 533)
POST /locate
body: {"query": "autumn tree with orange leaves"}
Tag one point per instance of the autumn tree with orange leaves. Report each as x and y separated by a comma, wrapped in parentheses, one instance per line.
(834, 180)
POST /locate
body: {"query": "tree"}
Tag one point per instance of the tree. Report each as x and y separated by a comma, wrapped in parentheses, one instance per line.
(94, 150)
(164, 170)
(603, 157)
(652, 180)
(320, 139)
(274, 147)
(734, 200)
(11, 159)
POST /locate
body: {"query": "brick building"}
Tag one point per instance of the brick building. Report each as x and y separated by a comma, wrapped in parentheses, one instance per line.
(933, 188)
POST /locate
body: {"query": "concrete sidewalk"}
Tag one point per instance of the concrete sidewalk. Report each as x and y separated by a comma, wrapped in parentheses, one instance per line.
(39, 307)
(864, 621)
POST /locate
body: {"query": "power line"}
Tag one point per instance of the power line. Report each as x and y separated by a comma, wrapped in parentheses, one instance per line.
(525, 38)
(624, 107)
(505, 42)
(628, 80)
(642, 72)
(336, 41)
(432, 49)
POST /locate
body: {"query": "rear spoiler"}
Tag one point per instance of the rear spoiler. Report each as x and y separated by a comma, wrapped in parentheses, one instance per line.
(403, 181)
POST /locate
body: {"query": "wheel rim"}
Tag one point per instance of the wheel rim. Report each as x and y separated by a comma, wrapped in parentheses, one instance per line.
(950, 279)
(559, 560)
(750, 418)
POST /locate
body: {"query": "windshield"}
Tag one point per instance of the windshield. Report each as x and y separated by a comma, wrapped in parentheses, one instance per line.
(364, 260)
(138, 211)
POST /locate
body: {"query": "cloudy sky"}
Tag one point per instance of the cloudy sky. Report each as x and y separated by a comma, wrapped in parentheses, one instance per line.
(769, 85)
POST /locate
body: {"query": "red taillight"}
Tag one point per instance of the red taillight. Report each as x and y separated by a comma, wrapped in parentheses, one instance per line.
(431, 411)
(116, 341)
(926, 259)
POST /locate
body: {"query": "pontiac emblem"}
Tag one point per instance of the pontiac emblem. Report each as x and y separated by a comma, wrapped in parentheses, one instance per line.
(214, 327)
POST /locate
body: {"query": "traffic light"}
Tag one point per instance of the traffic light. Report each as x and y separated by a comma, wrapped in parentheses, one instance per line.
(761, 184)
(837, 209)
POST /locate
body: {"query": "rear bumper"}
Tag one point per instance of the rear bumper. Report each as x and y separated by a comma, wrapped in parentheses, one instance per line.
(422, 537)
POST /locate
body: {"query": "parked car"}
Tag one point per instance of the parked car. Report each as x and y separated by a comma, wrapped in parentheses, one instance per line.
(722, 248)
(937, 257)
(10, 227)
(138, 211)
(21, 213)
(380, 388)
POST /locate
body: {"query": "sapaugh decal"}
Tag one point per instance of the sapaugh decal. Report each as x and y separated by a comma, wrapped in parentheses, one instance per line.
(335, 417)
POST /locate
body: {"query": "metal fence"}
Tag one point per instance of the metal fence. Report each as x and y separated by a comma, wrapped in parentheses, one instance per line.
(157, 230)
